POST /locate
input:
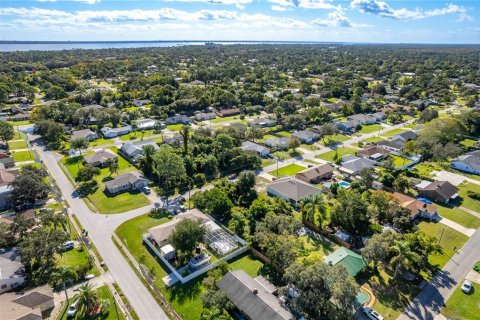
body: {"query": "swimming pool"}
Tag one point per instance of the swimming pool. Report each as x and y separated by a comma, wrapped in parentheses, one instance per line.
(344, 184)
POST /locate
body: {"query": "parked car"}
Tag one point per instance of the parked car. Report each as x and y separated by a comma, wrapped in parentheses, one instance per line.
(467, 286)
(72, 310)
(69, 245)
(371, 314)
(146, 190)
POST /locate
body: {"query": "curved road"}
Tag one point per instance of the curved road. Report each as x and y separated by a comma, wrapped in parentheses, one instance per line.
(100, 228)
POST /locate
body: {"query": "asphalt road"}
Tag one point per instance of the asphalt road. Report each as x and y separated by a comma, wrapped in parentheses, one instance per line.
(100, 228)
(431, 299)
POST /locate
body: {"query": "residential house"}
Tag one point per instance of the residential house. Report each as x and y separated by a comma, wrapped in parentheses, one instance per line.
(418, 209)
(126, 182)
(100, 158)
(146, 124)
(352, 262)
(260, 150)
(278, 143)
(84, 134)
(315, 174)
(115, 132)
(352, 165)
(262, 122)
(374, 153)
(197, 83)
(306, 136)
(5, 196)
(469, 162)
(134, 150)
(178, 119)
(405, 136)
(12, 273)
(35, 304)
(7, 162)
(379, 116)
(140, 103)
(347, 126)
(203, 116)
(174, 141)
(292, 190)
(21, 117)
(239, 126)
(392, 145)
(362, 118)
(251, 298)
(228, 112)
(440, 191)
(92, 107)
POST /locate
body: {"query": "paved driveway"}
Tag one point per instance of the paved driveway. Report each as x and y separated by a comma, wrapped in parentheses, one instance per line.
(453, 178)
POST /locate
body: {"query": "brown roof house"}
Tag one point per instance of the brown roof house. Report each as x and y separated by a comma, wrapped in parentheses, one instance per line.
(126, 182)
(417, 208)
(35, 304)
(100, 158)
(251, 298)
(292, 190)
(84, 134)
(373, 153)
(228, 112)
(440, 191)
(315, 174)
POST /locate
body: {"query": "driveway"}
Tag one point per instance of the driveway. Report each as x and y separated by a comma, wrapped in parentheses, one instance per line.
(453, 178)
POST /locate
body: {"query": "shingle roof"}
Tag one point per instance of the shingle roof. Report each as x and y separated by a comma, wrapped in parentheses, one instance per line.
(315, 172)
(353, 262)
(251, 146)
(82, 133)
(443, 188)
(415, 206)
(100, 156)
(356, 164)
(293, 188)
(123, 179)
(251, 298)
(471, 158)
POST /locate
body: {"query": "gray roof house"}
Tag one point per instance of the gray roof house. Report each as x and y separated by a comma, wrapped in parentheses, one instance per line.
(134, 150)
(126, 182)
(363, 118)
(306, 136)
(262, 122)
(35, 304)
(144, 124)
(175, 140)
(115, 132)
(251, 298)
(140, 103)
(469, 162)
(352, 164)
(178, 118)
(260, 150)
(347, 126)
(100, 158)
(405, 136)
(292, 190)
(392, 145)
(12, 274)
(202, 116)
(84, 134)
(278, 143)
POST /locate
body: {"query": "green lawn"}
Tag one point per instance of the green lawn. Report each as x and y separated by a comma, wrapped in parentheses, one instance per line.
(175, 127)
(17, 135)
(463, 306)
(284, 134)
(450, 240)
(19, 123)
(393, 132)
(468, 202)
(469, 143)
(289, 170)
(76, 259)
(185, 299)
(23, 156)
(309, 146)
(112, 312)
(224, 119)
(317, 249)
(369, 128)
(267, 162)
(284, 155)
(15, 145)
(328, 156)
(399, 161)
(102, 201)
(372, 139)
(145, 134)
(101, 142)
(459, 216)
(425, 169)
(335, 138)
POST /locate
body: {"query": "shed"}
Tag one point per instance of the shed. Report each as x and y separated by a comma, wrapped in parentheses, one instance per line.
(168, 252)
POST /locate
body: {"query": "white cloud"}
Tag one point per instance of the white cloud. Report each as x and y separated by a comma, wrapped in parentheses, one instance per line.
(335, 19)
(384, 10)
(283, 5)
(238, 3)
(85, 1)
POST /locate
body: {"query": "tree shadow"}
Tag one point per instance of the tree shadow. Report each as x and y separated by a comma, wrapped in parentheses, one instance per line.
(87, 188)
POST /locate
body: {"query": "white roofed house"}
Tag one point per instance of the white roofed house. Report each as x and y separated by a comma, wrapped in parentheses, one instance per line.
(469, 162)
(145, 124)
(306, 136)
(126, 182)
(259, 149)
(278, 143)
(84, 134)
(12, 274)
(134, 150)
(352, 165)
(115, 132)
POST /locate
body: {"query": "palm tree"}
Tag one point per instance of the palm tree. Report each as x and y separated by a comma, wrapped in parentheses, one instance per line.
(87, 297)
(403, 256)
(185, 133)
(112, 167)
(312, 207)
(64, 275)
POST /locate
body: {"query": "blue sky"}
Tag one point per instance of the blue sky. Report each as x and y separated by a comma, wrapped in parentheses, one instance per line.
(392, 21)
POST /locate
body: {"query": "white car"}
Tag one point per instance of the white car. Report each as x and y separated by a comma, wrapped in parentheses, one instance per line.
(72, 310)
(371, 314)
(467, 286)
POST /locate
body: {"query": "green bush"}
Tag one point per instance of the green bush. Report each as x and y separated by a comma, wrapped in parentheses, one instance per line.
(473, 195)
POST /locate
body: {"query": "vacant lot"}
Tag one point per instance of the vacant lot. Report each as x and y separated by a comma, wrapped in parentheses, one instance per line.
(463, 306)
(289, 170)
(459, 216)
(369, 128)
(393, 132)
(20, 156)
(16, 145)
(468, 202)
(328, 156)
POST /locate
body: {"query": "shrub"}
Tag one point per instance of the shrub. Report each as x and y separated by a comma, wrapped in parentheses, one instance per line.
(473, 195)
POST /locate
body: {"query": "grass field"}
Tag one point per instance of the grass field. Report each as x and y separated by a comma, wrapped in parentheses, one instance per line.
(369, 128)
(449, 239)
(392, 133)
(328, 156)
(175, 127)
(425, 169)
(284, 134)
(145, 134)
(100, 142)
(112, 312)
(335, 138)
(19, 123)
(185, 299)
(372, 139)
(267, 162)
(102, 201)
(15, 145)
(289, 170)
(23, 156)
(317, 249)
(461, 306)
(399, 161)
(459, 216)
(76, 259)
(224, 119)
(282, 155)
(310, 147)
(469, 143)
(468, 202)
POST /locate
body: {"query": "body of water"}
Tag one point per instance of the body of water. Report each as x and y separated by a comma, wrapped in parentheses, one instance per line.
(48, 46)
